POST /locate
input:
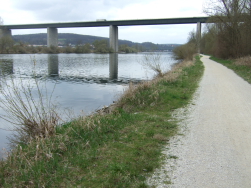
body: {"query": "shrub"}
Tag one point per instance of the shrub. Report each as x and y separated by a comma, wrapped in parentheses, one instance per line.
(185, 52)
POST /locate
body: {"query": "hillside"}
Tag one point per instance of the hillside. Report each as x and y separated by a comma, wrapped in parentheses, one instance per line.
(65, 39)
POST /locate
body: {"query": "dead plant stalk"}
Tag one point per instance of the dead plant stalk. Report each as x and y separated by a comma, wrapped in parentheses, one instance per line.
(28, 106)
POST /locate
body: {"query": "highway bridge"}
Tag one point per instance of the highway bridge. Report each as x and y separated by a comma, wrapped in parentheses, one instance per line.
(52, 28)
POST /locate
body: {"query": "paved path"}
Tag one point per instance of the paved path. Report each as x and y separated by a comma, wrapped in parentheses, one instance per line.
(216, 149)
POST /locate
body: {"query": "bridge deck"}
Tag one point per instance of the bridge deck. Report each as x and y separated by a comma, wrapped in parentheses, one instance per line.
(163, 21)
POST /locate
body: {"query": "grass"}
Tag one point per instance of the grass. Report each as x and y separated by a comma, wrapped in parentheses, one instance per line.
(241, 66)
(118, 149)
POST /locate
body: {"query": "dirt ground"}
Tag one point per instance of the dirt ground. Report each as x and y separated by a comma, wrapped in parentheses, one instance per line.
(213, 148)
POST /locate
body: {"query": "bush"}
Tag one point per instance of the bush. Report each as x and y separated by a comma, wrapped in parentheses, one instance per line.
(28, 106)
(185, 51)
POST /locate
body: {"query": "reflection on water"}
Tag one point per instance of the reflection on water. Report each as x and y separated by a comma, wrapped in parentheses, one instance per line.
(113, 66)
(53, 64)
(53, 67)
(83, 82)
(6, 66)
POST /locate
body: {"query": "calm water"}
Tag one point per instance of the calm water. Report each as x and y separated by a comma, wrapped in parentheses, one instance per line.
(83, 82)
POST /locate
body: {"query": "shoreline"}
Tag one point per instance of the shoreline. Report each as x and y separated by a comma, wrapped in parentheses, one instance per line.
(123, 147)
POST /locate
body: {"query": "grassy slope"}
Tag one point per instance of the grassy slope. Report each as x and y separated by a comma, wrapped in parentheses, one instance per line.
(113, 150)
(242, 70)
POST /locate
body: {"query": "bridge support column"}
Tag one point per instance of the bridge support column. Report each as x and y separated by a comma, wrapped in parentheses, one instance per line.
(114, 38)
(5, 33)
(198, 37)
(52, 36)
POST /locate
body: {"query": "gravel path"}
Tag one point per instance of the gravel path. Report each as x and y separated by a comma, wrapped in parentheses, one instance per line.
(214, 149)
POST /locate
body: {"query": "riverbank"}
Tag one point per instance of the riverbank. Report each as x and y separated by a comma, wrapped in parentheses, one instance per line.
(118, 149)
(241, 66)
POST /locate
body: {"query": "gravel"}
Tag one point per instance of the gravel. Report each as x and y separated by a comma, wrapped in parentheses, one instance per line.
(213, 148)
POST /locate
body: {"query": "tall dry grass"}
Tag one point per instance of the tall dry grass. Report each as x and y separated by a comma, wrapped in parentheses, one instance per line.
(29, 107)
(246, 61)
(132, 92)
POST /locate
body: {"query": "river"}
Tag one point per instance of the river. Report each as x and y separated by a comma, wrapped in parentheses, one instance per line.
(82, 83)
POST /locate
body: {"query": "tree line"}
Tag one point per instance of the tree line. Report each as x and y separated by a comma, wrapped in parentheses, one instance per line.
(9, 46)
(227, 34)
(65, 39)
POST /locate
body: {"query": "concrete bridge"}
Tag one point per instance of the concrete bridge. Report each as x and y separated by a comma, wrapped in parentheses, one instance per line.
(52, 32)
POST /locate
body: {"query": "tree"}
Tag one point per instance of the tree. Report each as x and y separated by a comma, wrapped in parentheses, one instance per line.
(187, 50)
(125, 48)
(101, 46)
(86, 48)
(232, 27)
(6, 44)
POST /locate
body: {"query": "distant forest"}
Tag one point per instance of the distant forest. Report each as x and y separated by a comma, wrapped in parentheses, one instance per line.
(68, 39)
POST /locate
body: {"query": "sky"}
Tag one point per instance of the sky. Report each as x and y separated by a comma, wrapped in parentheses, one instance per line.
(53, 11)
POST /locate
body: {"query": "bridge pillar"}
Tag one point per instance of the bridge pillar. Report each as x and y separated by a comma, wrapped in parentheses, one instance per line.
(52, 36)
(114, 38)
(198, 37)
(5, 33)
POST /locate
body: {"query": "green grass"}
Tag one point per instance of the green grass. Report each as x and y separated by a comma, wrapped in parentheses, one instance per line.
(114, 150)
(243, 71)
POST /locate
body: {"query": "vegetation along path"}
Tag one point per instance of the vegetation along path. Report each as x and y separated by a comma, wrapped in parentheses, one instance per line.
(215, 150)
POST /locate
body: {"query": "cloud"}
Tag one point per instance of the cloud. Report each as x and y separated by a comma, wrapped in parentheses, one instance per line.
(162, 34)
(82, 10)
(74, 10)
(31, 5)
(42, 11)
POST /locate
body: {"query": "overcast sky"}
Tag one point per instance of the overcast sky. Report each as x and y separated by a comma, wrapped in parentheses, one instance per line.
(47, 11)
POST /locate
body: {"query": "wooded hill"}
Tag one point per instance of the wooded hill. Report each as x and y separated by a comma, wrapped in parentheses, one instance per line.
(65, 39)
